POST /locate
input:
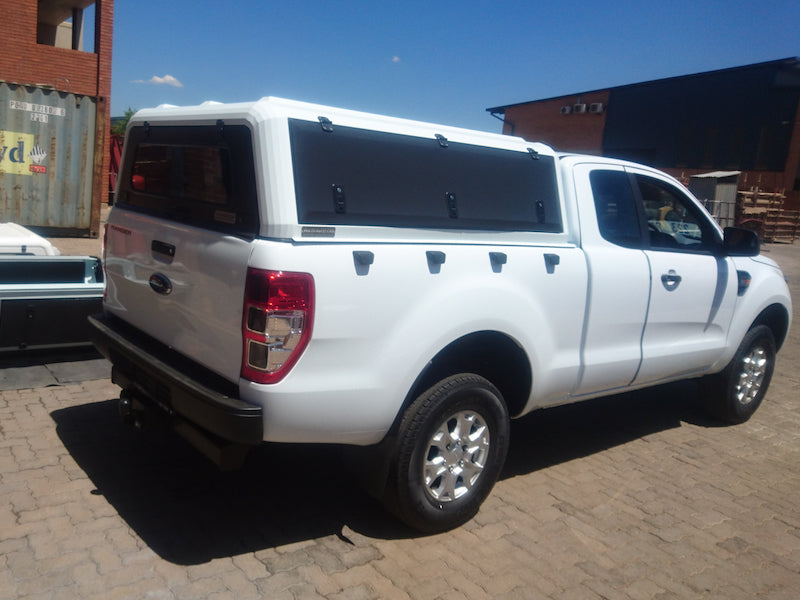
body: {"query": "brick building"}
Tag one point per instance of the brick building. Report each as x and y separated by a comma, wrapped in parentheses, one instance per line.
(55, 86)
(740, 119)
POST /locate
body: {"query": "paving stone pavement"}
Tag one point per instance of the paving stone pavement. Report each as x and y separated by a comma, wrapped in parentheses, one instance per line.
(634, 497)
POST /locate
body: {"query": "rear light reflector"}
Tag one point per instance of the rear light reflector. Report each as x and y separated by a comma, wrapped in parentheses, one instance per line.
(276, 324)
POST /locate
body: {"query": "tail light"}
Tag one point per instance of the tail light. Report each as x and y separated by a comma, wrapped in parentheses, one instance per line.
(276, 325)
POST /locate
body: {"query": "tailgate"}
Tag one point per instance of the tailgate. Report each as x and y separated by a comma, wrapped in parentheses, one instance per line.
(177, 242)
(182, 285)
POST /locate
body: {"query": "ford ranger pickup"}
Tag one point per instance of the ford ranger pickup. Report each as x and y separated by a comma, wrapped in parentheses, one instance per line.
(288, 272)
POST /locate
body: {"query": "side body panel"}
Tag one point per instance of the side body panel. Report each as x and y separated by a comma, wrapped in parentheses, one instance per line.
(767, 288)
(376, 328)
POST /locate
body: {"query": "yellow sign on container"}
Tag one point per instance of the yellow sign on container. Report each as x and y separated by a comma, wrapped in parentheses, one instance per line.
(15, 149)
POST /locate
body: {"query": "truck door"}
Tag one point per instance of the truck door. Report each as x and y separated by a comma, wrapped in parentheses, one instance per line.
(693, 290)
(619, 278)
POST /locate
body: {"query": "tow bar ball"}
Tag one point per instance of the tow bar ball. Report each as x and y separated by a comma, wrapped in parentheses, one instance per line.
(127, 412)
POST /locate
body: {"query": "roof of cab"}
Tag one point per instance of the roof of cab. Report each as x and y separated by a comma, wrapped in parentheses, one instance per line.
(271, 107)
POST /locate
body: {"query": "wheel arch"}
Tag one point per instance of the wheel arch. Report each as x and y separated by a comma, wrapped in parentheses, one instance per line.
(493, 355)
(776, 317)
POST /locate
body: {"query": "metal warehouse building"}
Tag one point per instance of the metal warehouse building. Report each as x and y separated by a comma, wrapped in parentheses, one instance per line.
(55, 83)
(744, 119)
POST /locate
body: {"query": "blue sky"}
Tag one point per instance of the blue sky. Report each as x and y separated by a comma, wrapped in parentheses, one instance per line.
(444, 62)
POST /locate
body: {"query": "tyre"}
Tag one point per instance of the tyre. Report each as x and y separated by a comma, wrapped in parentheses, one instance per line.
(452, 443)
(734, 394)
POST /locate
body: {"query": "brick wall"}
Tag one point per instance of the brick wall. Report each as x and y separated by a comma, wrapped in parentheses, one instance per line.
(574, 132)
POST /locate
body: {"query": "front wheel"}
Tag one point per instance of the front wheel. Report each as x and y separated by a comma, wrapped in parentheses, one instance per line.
(735, 393)
(452, 444)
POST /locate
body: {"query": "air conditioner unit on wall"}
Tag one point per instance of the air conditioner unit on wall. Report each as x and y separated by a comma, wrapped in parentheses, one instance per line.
(579, 108)
(597, 107)
(565, 110)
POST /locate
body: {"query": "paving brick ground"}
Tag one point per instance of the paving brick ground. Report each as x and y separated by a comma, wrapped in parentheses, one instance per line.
(638, 496)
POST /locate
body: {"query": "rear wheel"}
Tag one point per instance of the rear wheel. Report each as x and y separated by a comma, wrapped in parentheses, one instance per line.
(734, 394)
(452, 444)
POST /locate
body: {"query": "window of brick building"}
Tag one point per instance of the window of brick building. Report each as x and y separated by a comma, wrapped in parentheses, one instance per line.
(67, 24)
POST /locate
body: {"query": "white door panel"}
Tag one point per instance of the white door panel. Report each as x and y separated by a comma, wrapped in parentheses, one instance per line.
(617, 309)
(619, 282)
(691, 305)
(693, 291)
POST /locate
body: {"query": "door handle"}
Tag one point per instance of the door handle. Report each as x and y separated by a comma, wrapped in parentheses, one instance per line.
(163, 248)
(162, 251)
(670, 280)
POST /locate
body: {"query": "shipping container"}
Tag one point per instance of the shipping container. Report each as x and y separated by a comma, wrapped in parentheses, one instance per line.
(47, 152)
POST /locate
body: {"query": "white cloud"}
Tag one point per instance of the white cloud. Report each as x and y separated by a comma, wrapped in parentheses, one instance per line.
(396, 59)
(165, 80)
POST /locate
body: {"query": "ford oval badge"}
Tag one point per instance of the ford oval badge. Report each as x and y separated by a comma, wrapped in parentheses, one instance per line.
(160, 284)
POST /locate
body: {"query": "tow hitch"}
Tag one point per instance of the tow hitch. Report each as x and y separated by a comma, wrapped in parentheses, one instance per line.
(135, 409)
(127, 411)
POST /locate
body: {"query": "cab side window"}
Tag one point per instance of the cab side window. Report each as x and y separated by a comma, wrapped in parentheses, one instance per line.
(615, 206)
(673, 221)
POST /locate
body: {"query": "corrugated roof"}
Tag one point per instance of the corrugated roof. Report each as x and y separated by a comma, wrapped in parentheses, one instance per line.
(790, 61)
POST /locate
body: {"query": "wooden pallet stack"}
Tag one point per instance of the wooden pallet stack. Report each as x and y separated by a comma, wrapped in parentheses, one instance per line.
(764, 212)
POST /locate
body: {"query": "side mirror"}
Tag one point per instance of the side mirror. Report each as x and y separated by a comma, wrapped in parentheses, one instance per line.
(737, 241)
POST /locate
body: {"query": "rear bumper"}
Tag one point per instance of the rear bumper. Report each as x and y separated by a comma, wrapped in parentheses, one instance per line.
(178, 387)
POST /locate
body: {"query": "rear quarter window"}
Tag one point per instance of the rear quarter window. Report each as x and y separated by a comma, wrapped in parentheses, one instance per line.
(199, 175)
(615, 206)
(351, 176)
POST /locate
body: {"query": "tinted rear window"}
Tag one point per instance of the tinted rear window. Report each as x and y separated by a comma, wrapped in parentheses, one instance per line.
(354, 176)
(201, 175)
(615, 206)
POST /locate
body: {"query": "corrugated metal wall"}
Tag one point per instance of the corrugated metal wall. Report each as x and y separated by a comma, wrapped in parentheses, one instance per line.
(47, 144)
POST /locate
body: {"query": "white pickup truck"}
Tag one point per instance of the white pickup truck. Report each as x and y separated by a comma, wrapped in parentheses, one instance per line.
(286, 272)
